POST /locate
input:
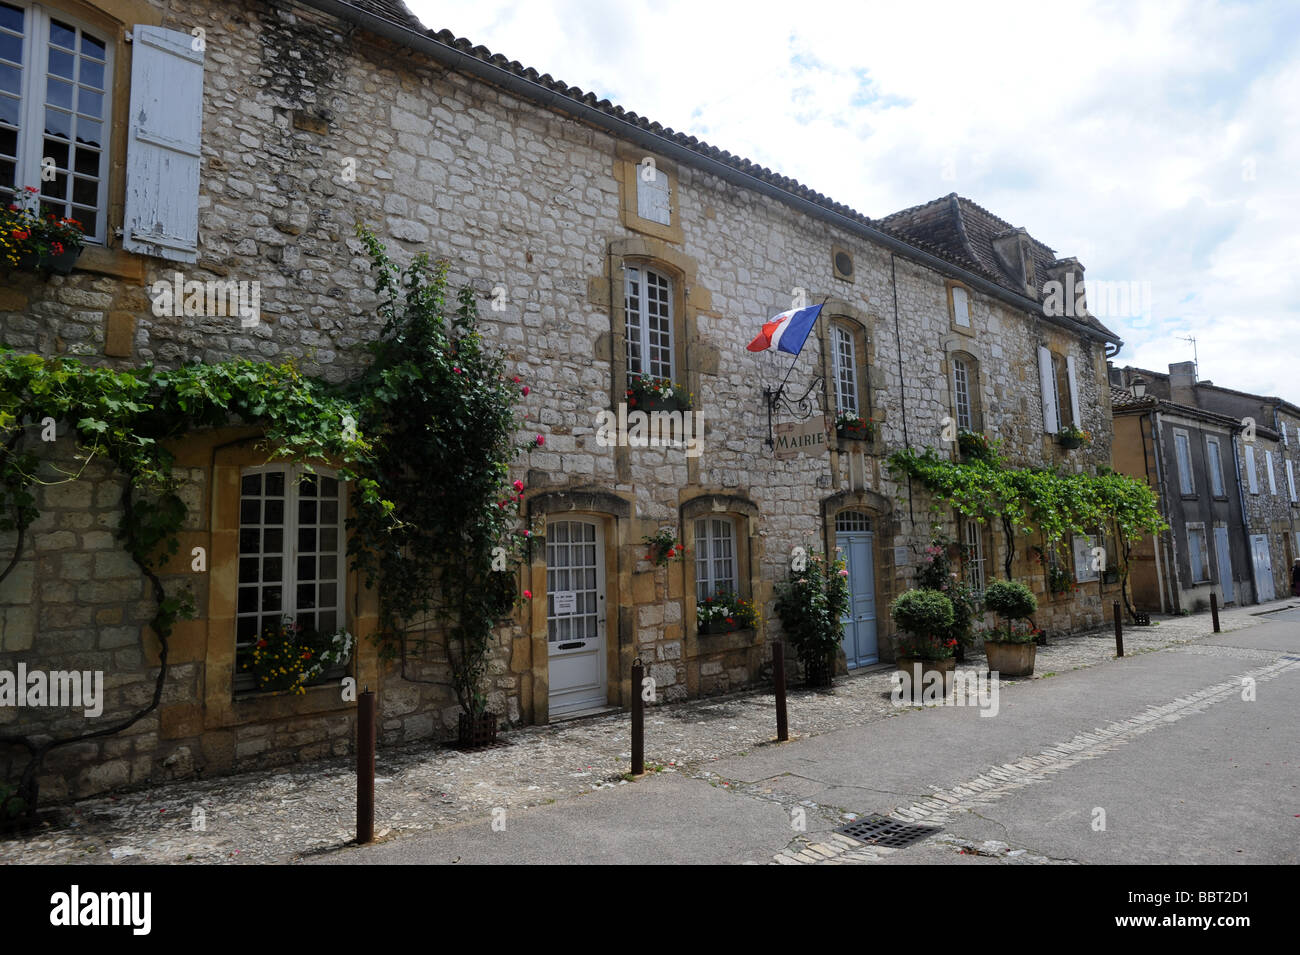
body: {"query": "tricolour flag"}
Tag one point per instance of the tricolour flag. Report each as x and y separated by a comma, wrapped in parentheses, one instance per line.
(788, 331)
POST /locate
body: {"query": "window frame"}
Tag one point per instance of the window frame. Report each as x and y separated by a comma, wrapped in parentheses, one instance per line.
(290, 554)
(1203, 544)
(845, 375)
(976, 562)
(961, 390)
(1183, 459)
(643, 318)
(1083, 572)
(30, 150)
(708, 585)
(1214, 464)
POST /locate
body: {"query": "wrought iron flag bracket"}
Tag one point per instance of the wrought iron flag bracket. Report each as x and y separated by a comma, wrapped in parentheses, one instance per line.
(803, 407)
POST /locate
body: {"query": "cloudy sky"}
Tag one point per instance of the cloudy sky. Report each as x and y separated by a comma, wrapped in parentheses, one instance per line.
(1157, 142)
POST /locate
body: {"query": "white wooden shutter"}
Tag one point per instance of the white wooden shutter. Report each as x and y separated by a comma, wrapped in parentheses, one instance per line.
(1251, 477)
(162, 153)
(652, 195)
(1290, 480)
(1048, 383)
(960, 307)
(1272, 481)
(1074, 389)
(1285, 440)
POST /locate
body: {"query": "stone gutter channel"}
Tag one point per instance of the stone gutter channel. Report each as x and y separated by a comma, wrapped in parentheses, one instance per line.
(289, 813)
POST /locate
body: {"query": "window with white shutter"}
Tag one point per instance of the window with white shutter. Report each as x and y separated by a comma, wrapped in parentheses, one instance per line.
(653, 192)
(1183, 451)
(1216, 466)
(1047, 382)
(1083, 569)
(163, 149)
(1268, 466)
(1290, 481)
(1252, 479)
(55, 114)
(960, 307)
(1074, 390)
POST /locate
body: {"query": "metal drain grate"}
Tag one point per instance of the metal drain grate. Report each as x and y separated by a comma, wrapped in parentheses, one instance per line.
(883, 831)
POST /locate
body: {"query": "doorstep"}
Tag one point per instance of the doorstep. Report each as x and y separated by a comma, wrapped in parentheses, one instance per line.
(602, 710)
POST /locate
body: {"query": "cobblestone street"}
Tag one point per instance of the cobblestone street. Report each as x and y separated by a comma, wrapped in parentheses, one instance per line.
(290, 814)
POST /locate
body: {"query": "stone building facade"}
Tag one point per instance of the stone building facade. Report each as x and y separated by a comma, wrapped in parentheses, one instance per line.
(602, 246)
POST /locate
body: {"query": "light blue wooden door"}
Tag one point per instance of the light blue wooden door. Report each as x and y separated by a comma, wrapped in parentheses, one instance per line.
(1225, 563)
(854, 539)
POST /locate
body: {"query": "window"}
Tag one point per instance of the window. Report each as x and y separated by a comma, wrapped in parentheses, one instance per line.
(849, 522)
(975, 556)
(1285, 440)
(1216, 466)
(844, 364)
(648, 304)
(1183, 451)
(1268, 466)
(1060, 390)
(1083, 559)
(653, 194)
(1198, 554)
(54, 114)
(715, 556)
(1290, 481)
(960, 307)
(291, 551)
(961, 394)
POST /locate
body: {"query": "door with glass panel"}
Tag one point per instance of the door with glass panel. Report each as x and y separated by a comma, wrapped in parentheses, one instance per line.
(575, 616)
(854, 539)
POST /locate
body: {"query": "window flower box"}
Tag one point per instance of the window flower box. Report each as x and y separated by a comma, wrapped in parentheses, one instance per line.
(851, 427)
(975, 446)
(725, 612)
(656, 394)
(1071, 437)
(32, 243)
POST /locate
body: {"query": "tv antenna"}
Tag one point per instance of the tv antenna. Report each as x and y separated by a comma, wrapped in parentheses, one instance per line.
(1196, 365)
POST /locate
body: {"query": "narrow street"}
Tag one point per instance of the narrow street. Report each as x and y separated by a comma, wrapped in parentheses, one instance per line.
(1152, 759)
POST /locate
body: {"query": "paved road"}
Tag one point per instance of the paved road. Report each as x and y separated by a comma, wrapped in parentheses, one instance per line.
(1156, 758)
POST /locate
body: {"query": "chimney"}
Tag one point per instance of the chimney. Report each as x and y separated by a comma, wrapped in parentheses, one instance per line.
(1182, 383)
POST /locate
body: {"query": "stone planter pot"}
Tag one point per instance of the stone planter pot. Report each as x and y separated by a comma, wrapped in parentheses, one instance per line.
(477, 731)
(920, 672)
(1011, 659)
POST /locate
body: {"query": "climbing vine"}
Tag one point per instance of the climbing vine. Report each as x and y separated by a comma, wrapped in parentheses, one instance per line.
(424, 435)
(1057, 503)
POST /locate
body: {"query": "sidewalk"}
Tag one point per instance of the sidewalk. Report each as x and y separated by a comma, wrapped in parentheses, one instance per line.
(287, 814)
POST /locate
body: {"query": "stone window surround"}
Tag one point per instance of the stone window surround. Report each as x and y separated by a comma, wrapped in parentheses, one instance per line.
(963, 349)
(969, 330)
(744, 516)
(880, 511)
(531, 655)
(840, 313)
(628, 161)
(225, 460)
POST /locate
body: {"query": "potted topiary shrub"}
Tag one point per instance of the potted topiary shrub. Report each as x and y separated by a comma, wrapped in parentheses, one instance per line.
(811, 606)
(1011, 648)
(924, 652)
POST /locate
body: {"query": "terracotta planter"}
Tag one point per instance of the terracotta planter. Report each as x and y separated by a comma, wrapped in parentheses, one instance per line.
(1011, 659)
(920, 673)
(477, 731)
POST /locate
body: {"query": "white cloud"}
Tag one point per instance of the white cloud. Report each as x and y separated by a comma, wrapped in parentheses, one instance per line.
(1124, 134)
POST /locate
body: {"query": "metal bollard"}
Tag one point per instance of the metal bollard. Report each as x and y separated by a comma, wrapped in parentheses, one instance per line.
(1119, 630)
(778, 676)
(1214, 610)
(366, 767)
(638, 718)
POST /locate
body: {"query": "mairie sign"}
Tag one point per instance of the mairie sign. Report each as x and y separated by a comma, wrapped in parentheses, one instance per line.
(800, 437)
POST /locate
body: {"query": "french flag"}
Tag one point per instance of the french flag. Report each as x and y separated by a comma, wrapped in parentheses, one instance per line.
(788, 331)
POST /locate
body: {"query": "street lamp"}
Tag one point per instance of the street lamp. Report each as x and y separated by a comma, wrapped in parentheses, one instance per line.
(1139, 387)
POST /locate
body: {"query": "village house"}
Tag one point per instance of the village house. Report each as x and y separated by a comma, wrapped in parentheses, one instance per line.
(1225, 462)
(242, 141)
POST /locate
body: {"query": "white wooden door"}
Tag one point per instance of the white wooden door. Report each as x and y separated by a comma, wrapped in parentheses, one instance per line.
(1224, 559)
(575, 616)
(1263, 567)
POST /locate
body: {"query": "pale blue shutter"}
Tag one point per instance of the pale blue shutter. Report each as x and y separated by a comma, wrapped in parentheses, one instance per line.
(162, 156)
(1047, 381)
(1074, 390)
